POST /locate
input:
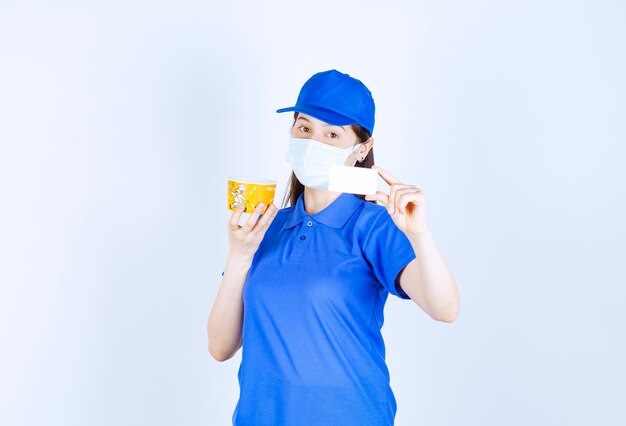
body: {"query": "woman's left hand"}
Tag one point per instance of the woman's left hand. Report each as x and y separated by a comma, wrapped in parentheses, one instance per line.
(405, 204)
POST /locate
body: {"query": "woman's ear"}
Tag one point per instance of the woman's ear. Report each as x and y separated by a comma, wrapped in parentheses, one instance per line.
(364, 151)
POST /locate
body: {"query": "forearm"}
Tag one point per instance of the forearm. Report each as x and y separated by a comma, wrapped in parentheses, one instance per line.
(432, 280)
(225, 322)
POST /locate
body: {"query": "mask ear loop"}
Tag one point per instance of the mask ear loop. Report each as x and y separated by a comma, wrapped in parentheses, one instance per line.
(355, 148)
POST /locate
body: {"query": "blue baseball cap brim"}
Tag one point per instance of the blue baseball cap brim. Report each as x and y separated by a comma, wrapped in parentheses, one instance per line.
(337, 99)
(323, 114)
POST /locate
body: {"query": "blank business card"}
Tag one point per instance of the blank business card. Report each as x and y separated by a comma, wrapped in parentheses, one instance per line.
(355, 180)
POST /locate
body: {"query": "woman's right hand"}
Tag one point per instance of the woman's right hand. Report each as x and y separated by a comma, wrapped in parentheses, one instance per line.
(245, 240)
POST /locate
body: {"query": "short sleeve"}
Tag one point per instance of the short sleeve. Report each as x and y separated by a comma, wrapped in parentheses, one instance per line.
(388, 250)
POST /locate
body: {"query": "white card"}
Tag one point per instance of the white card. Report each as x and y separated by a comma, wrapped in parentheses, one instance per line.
(355, 180)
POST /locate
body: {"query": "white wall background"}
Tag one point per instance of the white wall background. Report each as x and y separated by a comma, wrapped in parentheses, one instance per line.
(119, 122)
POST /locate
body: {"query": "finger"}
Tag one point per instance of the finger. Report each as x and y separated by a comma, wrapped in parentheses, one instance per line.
(400, 199)
(233, 224)
(396, 190)
(266, 220)
(393, 195)
(408, 197)
(391, 206)
(387, 177)
(379, 196)
(254, 216)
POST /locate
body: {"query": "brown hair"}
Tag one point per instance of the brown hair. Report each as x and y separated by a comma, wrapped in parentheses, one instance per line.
(295, 186)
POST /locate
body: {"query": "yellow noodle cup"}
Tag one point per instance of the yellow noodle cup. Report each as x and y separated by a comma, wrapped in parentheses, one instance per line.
(250, 192)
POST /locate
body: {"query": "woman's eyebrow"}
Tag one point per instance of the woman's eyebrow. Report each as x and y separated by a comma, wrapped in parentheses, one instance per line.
(327, 125)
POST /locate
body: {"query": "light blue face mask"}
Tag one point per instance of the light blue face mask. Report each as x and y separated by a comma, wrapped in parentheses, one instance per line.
(311, 160)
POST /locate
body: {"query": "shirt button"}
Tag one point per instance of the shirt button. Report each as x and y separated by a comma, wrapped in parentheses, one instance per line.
(302, 237)
(310, 223)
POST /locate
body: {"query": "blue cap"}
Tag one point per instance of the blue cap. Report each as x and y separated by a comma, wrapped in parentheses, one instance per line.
(336, 98)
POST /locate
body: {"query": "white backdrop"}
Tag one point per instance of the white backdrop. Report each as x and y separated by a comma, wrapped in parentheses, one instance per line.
(120, 121)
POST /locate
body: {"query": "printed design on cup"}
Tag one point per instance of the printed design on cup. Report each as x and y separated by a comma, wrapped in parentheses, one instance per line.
(237, 194)
(249, 193)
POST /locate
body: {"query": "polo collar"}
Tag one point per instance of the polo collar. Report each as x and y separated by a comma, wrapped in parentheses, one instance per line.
(335, 215)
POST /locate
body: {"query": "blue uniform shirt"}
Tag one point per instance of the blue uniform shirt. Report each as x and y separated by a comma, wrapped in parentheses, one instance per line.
(312, 352)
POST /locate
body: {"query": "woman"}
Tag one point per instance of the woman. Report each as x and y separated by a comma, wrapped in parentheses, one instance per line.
(304, 287)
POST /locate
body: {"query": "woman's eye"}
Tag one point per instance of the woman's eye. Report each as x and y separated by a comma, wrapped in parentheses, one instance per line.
(303, 127)
(334, 135)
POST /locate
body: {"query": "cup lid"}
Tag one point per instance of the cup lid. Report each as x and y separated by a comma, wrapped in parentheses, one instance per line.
(247, 179)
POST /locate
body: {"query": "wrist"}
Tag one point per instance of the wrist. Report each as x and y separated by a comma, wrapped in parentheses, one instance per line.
(418, 234)
(238, 262)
